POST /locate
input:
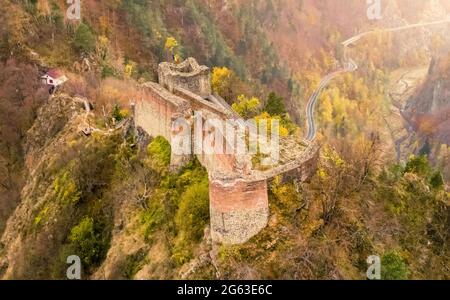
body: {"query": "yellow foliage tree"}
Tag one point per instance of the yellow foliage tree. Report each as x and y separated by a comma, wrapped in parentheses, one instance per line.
(103, 41)
(246, 107)
(171, 44)
(220, 79)
(326, 110)
(129, 68)
(102, 48)
(283, 131)
(104, 24)
(227, 84)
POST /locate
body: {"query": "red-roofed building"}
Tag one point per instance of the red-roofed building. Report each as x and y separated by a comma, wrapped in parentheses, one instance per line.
(54, 78)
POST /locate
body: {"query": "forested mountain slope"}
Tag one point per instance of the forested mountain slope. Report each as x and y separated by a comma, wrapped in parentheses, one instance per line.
(111, 199)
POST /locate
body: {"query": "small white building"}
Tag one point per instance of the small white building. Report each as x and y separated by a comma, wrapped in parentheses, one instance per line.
(53, 79)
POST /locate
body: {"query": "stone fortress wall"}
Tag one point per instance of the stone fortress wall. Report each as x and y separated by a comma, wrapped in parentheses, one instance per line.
(188, 75)
(239, 206)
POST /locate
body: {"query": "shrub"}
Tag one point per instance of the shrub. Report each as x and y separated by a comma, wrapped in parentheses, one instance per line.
(119, 114)
(227, 252)
(152, 218)
(246, 107)
(133, 263)
(108, 71)
(66, 189)
(436, 180)
(42, 215)
(287, 197)
(86, 242)
(193, 212)
(84, 38)
(418, 165)
(190, 220)
(159, 151)
(227, 84)
(393, 267)
(182, 251)
(171, 44)
(219, 79)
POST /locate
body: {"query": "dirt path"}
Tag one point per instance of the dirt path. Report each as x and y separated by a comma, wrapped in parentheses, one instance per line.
(87, 128)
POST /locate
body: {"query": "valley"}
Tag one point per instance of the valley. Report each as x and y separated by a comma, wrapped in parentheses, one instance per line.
(405, 84)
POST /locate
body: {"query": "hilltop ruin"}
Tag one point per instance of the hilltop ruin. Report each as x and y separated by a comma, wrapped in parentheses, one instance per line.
(239, 207)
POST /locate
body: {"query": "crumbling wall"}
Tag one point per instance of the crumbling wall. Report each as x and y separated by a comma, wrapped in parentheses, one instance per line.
(198, 103)
(306, 170)
(188, 75)
(239, 209)
(155, 111)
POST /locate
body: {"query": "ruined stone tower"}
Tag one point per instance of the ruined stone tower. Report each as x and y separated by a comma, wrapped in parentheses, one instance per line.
(188, 75)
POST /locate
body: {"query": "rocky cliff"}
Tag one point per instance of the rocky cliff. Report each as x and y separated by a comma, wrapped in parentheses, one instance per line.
(24, 247)
(429, 109)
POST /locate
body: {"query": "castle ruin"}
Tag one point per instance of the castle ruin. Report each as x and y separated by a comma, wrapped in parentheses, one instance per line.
(239, 206)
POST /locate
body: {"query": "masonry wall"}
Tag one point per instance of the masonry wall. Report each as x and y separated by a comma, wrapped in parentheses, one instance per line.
(306, 170)
(188, 75)
(155, 111)
(217, 162)
(198, 103)
(199, 83)
(154, 114)
(238, 210)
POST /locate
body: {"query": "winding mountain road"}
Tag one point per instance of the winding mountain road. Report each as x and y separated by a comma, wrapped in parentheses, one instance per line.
(349, 66)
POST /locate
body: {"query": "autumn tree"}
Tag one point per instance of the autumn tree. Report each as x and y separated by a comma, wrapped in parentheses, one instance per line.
(331, 182)
(220, 80)
(170, 45)
(265, 116)
(226, 83)
(246, 107)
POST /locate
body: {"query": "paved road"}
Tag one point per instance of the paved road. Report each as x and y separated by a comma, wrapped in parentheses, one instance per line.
(349, 66)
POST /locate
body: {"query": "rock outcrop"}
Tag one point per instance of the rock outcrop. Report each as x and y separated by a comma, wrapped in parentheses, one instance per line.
(429, 109)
